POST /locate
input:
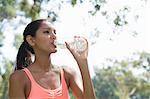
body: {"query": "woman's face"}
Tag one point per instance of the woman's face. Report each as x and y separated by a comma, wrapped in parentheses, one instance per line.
(45, 37)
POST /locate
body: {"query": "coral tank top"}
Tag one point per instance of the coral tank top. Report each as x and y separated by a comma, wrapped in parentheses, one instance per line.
(38, 92)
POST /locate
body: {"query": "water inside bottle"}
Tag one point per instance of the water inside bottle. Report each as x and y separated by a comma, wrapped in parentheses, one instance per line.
(80, 44)
(77, 42)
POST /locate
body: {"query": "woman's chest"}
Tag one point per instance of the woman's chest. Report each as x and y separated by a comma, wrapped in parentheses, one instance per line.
(49, 80)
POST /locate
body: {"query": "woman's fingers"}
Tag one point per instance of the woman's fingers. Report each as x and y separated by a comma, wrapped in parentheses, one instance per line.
(70, 48)
(74, 48)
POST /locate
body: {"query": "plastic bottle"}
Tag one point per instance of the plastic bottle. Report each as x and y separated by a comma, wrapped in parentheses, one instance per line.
(78, 43)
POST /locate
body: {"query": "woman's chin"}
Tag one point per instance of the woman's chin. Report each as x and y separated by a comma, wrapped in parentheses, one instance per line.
(54, 51)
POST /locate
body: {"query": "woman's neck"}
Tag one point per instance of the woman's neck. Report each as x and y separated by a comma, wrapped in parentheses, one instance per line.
(43, 62)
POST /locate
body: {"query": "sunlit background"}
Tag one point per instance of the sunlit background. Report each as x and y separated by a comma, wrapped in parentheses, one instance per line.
(116, 30)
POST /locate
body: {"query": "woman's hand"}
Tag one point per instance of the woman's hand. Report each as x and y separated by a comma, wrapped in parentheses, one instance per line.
(79, 56)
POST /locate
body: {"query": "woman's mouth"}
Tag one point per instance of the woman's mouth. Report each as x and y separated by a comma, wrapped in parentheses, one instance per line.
(54, 44)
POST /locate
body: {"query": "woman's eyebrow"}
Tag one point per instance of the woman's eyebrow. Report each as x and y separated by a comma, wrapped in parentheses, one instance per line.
(47, 28)
(51, 29)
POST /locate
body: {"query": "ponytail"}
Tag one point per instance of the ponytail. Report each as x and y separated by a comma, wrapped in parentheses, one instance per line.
(24, 56)
(25, 50)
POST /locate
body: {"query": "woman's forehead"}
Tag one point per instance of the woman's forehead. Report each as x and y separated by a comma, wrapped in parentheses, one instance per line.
(46, 24)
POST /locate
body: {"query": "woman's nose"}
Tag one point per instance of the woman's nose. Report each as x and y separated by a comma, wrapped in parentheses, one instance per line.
(53, 36)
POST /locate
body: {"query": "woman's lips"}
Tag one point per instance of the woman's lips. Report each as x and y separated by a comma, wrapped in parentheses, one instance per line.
(54, 44)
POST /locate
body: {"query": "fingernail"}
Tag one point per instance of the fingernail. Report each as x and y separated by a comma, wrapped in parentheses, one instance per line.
(75, 36)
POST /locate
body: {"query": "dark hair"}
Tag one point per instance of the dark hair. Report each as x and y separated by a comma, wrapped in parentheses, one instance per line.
(25, 50)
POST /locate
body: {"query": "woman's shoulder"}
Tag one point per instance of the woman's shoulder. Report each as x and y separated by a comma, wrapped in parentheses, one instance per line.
(69, 71)
(18, 76)
(66, 69)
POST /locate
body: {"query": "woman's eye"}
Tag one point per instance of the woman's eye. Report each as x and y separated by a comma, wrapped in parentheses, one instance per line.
(46, 31)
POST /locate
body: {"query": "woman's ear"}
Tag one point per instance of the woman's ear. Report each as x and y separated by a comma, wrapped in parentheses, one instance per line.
(30, 40)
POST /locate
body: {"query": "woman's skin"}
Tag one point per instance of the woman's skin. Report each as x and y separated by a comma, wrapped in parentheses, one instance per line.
(46, 74)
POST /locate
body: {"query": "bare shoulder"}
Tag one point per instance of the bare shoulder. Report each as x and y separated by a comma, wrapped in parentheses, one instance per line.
(69, 71)
(17, 84)
(18, 76)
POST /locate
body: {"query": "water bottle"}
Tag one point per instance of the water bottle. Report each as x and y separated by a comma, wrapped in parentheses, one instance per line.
(78, 43)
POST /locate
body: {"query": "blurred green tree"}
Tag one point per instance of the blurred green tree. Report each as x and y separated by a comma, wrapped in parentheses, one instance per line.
(8, 66)
(119, 81)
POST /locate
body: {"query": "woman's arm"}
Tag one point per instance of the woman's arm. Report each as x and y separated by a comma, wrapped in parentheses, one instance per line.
(16, 86)
(88, 90)
(74, 81)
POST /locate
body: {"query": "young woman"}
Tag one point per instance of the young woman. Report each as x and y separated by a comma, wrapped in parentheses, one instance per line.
(41, 79)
